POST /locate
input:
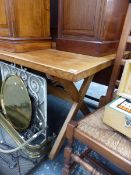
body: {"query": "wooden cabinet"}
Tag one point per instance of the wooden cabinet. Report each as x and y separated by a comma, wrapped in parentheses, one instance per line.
(90, 27)
(24, 25)
(4, 31)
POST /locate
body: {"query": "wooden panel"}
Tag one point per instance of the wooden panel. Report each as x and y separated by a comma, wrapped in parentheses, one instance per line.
(18, 46)
(112, 24)
(32, 18)
(3, 19)
(4, 32)
(91, 27)
(80, 17)
(28, 25)
(93, 48)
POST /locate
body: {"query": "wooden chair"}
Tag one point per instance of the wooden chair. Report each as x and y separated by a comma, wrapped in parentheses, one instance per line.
(99, 137)
(125, 39)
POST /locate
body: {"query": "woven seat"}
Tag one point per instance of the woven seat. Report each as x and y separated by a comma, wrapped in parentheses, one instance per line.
(94, 127)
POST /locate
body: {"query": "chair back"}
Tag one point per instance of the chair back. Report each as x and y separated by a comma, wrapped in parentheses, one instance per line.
(119, 60)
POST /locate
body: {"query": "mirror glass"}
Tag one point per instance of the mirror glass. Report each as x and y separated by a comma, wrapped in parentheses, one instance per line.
(16, 103)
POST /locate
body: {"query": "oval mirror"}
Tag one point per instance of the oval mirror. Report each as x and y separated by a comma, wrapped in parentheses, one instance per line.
(16, 103)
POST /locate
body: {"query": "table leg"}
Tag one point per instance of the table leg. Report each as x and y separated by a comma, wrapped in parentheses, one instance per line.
(72, 113)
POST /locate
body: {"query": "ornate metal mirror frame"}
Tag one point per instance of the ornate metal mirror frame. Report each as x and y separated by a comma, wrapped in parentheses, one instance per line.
(37, 89)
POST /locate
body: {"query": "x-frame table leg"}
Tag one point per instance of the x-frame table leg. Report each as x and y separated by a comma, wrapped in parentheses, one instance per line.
(72, 113)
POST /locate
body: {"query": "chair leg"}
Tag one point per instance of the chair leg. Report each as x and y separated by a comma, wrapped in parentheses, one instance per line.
(67, 162)
(68, 150)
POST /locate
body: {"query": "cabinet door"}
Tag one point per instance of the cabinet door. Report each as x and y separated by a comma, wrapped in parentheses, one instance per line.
(80, 17)
(32, 18)
(3, 19)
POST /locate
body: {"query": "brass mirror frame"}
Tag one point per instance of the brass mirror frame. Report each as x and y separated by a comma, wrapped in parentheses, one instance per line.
(28, 119)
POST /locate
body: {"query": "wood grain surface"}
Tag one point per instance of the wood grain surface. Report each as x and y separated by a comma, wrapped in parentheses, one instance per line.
(69, 66)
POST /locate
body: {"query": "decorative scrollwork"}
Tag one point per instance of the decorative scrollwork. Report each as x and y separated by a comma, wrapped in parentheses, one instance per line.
(23, 75)
(5, 71)
(34, 84)
(36, 87)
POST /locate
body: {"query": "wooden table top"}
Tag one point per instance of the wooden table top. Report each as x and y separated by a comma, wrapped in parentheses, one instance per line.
(65, 65)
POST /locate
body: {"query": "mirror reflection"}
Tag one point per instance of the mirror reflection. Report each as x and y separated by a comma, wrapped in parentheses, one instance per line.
(16, 103)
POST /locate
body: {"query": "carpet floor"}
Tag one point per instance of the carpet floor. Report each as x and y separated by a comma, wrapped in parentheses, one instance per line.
(57, 112)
